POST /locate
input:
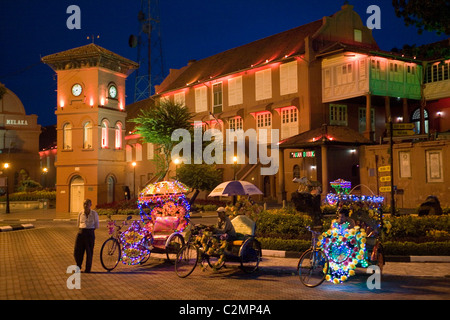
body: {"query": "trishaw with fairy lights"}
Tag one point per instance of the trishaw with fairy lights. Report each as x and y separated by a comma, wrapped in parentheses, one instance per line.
(164, 215)
(335, 253)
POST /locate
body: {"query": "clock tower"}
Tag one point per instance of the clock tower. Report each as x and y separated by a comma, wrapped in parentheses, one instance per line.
(90, 125)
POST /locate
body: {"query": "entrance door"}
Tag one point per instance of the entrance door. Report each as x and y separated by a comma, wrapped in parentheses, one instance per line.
(267, 186)
(110, 189)
(76, 194)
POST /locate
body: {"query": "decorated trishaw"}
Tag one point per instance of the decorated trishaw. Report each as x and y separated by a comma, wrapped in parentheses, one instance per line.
(209, 250)
(348, 244)
(164, 215)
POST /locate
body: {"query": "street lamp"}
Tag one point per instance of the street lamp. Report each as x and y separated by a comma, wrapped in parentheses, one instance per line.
(6, 166)
(44, 172)
(177, 162)
(235, 159)
(134, 178)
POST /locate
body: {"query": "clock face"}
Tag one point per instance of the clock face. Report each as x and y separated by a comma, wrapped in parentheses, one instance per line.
(76, 90)
(113, 91)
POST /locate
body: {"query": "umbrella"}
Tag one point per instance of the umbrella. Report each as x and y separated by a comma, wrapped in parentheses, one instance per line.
(164, 188)
(234, 188)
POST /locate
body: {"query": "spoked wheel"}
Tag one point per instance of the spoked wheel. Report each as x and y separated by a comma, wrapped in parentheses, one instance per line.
(312, 267)
(176, 242)
(186, 260)
(250, 255)
(215, 262)
(110, 254)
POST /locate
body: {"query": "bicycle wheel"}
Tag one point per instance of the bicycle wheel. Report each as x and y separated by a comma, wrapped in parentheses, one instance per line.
(312, 267)
(250, 255)
(110, 254)
(175, 243)
(186, 260)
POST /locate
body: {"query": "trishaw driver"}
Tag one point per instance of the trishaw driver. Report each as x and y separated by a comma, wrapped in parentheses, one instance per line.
(224, 226)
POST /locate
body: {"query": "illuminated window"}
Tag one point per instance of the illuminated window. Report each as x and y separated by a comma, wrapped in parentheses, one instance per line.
(289, 122)
(67, 136)
(263, 84)
(87, 135)
(217, 97)
(201, 102)
(236, 123)
(138, 152)
(235, 91)
(118, 136)
(105, 141)
(264, 122)
(416, 120)
(357, 35)
(128, 153)
(288, 78)
(296, 171)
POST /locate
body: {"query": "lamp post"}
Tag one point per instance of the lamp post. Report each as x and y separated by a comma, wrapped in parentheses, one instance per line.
(6, 166)
(134, 178)
(44, 172)
(177, 162)
(235, 159)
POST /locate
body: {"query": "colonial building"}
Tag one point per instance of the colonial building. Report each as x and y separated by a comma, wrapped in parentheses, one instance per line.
(19, 140)
(325, 86)
(90, 125)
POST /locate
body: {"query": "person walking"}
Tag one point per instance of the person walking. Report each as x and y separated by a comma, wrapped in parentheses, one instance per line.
(87, 222)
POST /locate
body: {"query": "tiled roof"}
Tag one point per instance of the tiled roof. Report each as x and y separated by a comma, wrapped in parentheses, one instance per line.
(327, 134)
(90, 51)
(272, 48)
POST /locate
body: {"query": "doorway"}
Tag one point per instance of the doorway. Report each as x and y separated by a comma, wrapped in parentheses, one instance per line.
(110, 189)
(76, 194)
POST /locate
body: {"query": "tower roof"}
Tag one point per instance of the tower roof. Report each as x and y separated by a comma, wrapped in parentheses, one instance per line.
(90, 55)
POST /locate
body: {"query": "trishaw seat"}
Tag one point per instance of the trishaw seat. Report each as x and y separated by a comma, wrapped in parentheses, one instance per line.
(165, 224)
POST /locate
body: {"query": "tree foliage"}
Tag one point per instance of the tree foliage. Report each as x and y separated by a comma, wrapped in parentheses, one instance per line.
(201, 177)
(156, 125)
(429, 15)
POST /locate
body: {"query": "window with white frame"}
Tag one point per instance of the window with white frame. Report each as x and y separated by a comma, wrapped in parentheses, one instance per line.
(235, 91)
(138, 147)
(150, 151)
(377, 71)
(289, 122)
(201, 100)
(118, 136)
(357, 35)
(179, 98)
(338, 114)
(217, 97)
(264, 122)
(288, 78)
(128, 153)
(87, 135)
(344, 73)
(395, 71)
(105, 141)
(437, 72)
(67, 136)
(263, 84)
(236, 123)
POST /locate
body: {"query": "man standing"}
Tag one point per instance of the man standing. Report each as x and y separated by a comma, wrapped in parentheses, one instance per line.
(87, 222)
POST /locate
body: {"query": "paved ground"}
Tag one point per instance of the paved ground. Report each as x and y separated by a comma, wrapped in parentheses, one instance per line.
(34, 262)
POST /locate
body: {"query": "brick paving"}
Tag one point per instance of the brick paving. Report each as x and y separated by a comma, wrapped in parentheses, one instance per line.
(33, 265)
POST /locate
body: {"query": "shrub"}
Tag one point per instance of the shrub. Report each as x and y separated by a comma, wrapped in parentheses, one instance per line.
(280, 224)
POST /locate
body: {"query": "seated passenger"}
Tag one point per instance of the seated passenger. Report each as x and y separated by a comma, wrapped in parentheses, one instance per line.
(344, 218)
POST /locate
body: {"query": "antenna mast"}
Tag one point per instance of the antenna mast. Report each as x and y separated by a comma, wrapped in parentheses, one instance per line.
(149, 55)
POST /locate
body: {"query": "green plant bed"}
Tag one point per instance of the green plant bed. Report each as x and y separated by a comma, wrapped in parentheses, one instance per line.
(407, 248)
(391, 248)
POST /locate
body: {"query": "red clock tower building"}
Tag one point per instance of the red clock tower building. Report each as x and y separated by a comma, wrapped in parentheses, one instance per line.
(90, 125)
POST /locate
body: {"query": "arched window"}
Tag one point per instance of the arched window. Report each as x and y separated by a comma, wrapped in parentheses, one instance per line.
(87, 135)
(416, 120)
(118, 136)
(105, 141)
(67, 136)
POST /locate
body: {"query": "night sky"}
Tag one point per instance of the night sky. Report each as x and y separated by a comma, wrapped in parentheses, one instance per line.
(31, 29)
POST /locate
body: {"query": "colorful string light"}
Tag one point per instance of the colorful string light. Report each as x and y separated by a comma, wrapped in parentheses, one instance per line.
(345, 249)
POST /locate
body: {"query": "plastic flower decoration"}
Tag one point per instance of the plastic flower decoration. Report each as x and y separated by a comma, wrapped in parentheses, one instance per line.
(345, 249)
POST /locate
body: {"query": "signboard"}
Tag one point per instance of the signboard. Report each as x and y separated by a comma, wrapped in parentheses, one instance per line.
(399, 133)
(402, 126)
(385, 178)
(384, 169)
(302, 154)
(385, 189)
